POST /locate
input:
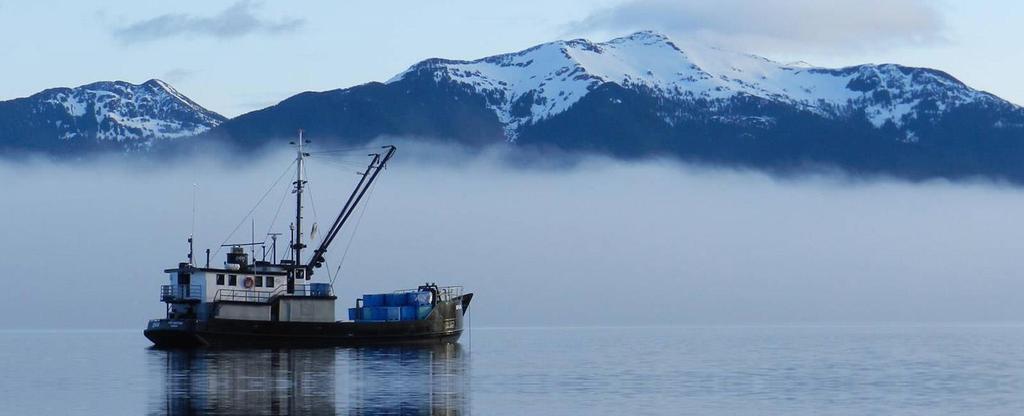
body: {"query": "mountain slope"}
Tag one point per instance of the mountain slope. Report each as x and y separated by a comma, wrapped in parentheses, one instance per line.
(404, 108)
(645, 95)
(541, 82)
(103, 115)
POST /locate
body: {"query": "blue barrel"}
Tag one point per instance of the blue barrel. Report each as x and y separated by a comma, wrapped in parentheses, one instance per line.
(319, 289)
(355, 314)
(387, 314)
(423, 311)
(418, 298)
(374, 300)
(375, 313)
(367, 313)
(396, 299)
(409, 313)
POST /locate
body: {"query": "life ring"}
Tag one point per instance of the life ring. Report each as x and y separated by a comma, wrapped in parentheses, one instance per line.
(249, 283)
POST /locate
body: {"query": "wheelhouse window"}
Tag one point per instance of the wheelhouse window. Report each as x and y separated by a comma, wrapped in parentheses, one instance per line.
(270, 281)
(220, 280)
(232, 280)
(259, 281)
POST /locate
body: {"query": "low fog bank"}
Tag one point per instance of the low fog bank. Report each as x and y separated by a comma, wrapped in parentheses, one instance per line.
(599, 242)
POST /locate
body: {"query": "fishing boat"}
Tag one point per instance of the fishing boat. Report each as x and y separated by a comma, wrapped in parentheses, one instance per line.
(246, 302)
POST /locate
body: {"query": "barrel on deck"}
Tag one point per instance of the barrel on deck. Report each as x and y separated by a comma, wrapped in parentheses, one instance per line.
(396, 299)
(408, 313)
(404, 306)
(382, 313)
(418, 298)
(374, 300)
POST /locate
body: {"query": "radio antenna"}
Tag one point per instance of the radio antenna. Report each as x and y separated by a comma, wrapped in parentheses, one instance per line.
(192, 233)
(252, 248)
(273, 246)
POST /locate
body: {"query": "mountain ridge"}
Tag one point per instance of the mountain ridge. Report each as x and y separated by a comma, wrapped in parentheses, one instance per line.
(103, 115)
(645, 95)
(651, 60)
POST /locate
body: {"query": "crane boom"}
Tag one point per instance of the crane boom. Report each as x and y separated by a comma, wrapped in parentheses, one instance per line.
(377, 163)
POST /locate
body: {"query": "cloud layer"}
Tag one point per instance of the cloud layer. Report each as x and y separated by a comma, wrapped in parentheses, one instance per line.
(603, 243)
(237, 20)
(779, 25)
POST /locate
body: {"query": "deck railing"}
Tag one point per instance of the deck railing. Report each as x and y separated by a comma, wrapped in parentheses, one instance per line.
(253, 296)
(444, 293)
(241, 295)
(447, 293)
(178, 293)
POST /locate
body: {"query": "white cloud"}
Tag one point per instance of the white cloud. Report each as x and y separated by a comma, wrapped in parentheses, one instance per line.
(601, 243)
(780, 25)
(177, 75)
(237, 20)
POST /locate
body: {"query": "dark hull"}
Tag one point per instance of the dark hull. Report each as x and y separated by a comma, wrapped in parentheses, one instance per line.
(443, 325)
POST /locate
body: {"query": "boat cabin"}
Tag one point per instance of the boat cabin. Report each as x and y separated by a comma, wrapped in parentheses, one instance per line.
(256, 291)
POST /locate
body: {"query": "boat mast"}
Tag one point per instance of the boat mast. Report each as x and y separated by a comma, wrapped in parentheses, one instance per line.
(297, 245)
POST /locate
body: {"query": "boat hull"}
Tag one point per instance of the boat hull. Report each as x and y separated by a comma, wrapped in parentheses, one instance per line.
(443, 325)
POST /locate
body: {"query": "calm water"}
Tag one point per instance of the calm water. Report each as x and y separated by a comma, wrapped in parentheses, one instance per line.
(841, 370)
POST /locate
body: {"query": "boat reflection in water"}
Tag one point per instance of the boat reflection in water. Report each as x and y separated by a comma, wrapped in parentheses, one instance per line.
(366, 381)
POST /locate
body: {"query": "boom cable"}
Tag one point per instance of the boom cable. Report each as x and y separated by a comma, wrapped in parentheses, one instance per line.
(260, 201)
(344, 150)
(312, 204)
(377, 163)
(273, 220)
(352, 236)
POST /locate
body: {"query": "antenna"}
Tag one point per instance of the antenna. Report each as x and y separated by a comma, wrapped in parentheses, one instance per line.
(273, 246)
(291, 234)
(195, 203)
(192, 233)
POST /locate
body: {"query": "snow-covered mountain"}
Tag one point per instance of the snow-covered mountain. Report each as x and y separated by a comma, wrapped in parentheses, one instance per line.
(526, 87)
(646, 95)
(640, 95)
(106, 115)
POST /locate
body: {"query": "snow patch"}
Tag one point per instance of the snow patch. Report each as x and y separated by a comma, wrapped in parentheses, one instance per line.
(534, 84)
(121, 111)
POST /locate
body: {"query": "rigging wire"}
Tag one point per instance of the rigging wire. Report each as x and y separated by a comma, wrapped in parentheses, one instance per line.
(346, 163)
(345, 157)
(312, 203)
(333, 159)
(343, 160)
(192, 232)
(277, 213)
(316, 220)
(260, 201)
(352, 236)
(195, 187)
(343, 150)
(309, 189)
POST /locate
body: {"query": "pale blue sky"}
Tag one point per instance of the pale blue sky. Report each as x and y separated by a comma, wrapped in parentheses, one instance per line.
(238, 56)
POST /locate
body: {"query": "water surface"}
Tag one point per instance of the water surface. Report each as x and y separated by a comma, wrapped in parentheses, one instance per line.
(762, 370)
